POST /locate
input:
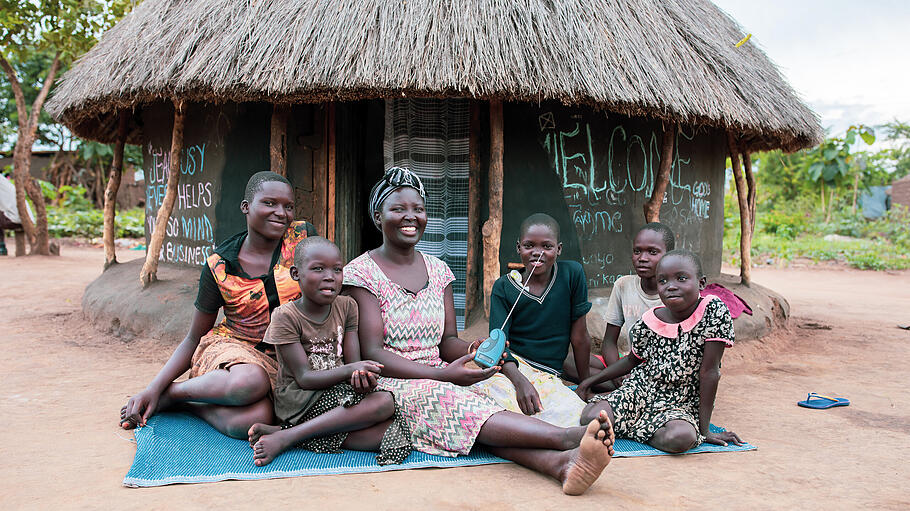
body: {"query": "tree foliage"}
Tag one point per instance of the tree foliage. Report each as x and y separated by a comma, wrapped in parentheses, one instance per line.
(29, 31)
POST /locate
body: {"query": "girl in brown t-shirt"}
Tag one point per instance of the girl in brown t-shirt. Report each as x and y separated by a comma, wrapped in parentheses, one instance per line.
(324, 396)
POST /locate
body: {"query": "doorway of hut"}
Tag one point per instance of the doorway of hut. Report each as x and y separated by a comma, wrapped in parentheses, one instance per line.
(425, 135)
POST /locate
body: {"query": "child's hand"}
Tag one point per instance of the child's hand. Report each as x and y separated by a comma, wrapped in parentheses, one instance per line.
(584, 392)
(364, 375)
(364, 381)
(723, 438)
(138, 409)
(528, 398)
(368, 366)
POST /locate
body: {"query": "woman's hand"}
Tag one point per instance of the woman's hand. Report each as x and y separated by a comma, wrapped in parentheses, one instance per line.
(138, 409)
(458, 373)
(722, 438)
(527, 396)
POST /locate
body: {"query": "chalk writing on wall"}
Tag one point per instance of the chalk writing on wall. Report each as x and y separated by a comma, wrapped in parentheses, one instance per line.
(190, 233)
(607, 171)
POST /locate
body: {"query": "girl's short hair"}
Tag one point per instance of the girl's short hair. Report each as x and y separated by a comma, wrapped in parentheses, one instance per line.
(539, 219)
(665, 233)
(256, 181)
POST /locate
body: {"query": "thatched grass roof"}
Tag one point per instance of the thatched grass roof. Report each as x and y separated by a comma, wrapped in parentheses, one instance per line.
(668, 59)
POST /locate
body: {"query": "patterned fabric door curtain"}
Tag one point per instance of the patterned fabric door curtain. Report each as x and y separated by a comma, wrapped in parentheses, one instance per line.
(430, 138)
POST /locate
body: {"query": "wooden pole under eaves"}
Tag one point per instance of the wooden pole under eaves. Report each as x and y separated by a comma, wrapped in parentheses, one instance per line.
(750, 194)
(110, 193)
(492, 228)
(149, 271)
(330, 171)
(471, 287)
(745, 215)
(278, 145)
(652, 207)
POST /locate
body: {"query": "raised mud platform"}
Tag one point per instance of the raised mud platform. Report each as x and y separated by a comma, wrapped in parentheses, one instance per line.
(116, 302)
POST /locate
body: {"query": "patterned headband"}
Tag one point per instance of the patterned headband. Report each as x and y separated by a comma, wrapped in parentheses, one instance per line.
(394, 178)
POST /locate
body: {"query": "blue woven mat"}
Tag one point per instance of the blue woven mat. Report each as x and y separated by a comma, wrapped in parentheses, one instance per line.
(180, 448)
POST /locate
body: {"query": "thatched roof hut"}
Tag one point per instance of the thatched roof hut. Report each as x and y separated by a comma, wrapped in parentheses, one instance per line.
(673, 60)
(596, 109)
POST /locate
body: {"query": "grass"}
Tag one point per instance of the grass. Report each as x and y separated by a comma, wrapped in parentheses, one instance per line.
(882, 244)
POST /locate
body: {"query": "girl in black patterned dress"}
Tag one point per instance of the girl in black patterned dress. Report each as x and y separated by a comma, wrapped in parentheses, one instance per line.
(674, 364)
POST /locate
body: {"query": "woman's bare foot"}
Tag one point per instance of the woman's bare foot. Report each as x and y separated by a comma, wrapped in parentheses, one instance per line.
(591, 457)
(259, 429)
(270, 446)
(574, 435)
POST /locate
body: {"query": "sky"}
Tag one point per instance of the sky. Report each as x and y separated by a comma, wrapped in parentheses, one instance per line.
(848, 60)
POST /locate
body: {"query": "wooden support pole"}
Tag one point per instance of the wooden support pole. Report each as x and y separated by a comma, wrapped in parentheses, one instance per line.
(750, 181)
(745, 217)
(492, 228)
(110, 193)
(149, 271)
(652, 207)
(473, 209)
(278, 143)
(330, 169)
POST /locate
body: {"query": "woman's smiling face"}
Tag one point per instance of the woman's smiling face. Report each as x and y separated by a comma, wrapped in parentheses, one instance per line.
(271, 211)
(403, 217)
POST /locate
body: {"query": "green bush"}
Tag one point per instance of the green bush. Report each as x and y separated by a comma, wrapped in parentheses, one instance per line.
(785, 225)
(89, 223)
(781, 236)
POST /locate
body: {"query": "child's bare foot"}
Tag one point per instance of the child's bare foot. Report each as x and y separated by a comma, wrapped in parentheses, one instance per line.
(270, 446)
(258, 430)
(591, 457)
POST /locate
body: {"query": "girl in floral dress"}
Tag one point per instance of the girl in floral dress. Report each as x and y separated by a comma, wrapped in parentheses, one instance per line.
(407, 324)
(668, 399)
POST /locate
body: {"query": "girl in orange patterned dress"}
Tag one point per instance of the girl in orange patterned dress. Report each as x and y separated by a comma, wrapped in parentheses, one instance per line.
(232, 372)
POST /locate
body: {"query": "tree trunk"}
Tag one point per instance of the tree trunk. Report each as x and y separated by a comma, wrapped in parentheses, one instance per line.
(149, 271)
(492, 228)
(278, 144)
(750, 181)
(652, 207)
(745, 220)
(28, 127)
(110, 193)
(473, 208)
(21, 164)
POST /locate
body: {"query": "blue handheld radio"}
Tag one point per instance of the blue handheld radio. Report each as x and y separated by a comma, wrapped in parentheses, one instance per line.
(490, 351)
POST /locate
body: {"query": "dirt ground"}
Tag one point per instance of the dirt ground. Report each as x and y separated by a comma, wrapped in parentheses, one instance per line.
(63, 383)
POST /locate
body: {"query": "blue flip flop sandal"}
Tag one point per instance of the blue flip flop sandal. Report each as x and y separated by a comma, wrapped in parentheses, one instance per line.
(820, 402)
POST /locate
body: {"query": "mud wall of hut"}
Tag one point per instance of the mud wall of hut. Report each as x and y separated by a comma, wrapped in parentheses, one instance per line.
(593, 172)
(222, 146)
